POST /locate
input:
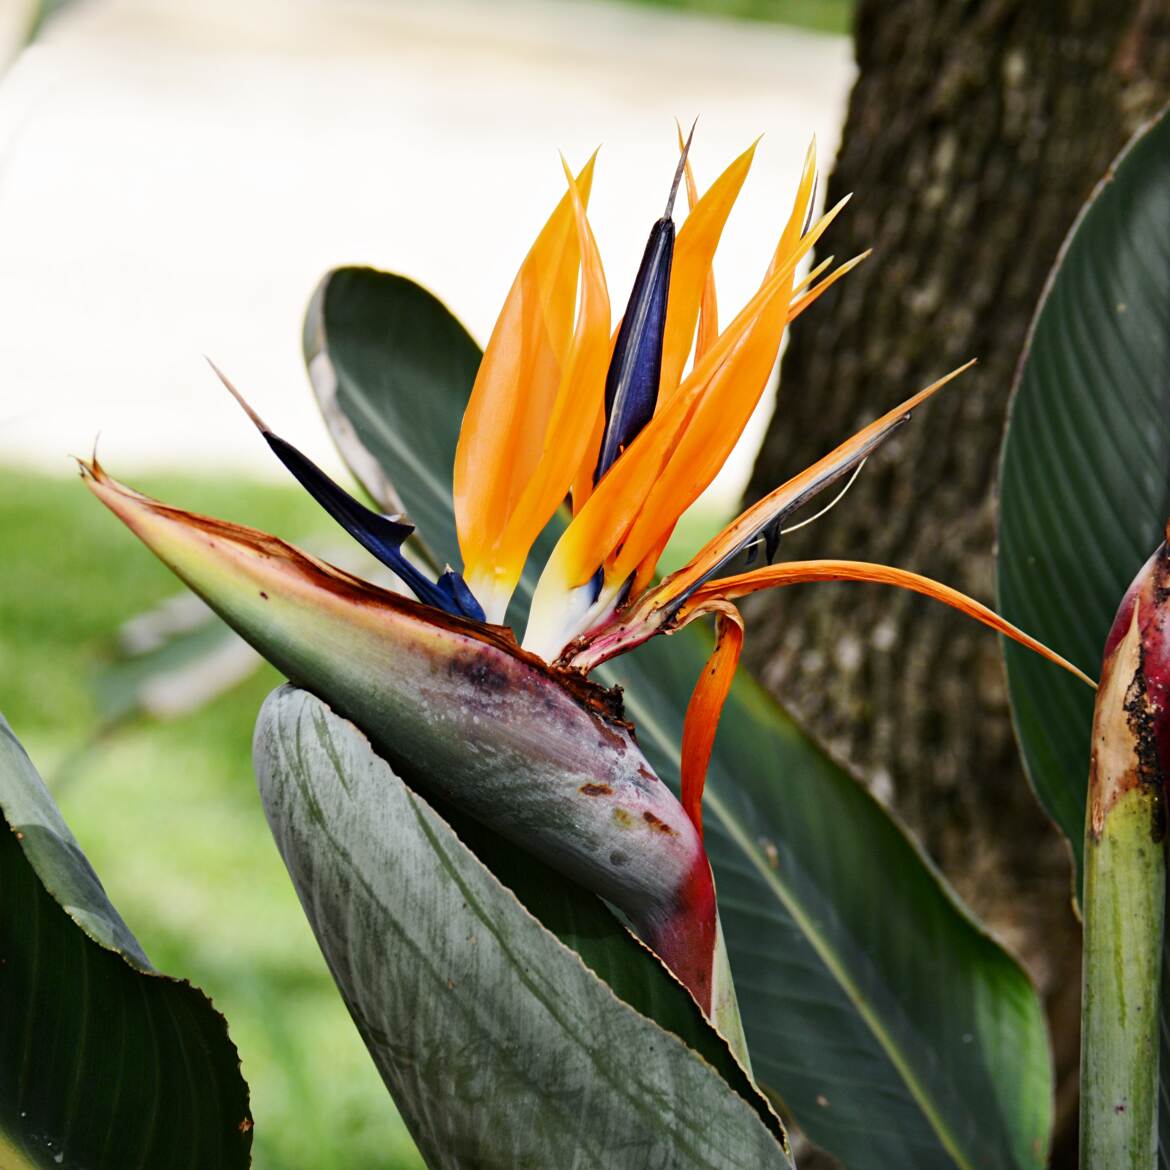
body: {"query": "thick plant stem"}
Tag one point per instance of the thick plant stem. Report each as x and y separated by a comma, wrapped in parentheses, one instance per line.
(1125, 877)
(1125, 883)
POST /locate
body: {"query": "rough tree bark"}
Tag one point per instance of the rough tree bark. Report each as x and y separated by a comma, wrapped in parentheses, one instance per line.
(975, 131)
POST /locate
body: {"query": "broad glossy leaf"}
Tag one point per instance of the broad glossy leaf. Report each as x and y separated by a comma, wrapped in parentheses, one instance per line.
(897, 1032)
(104, 1063)
(1085, 477)
(500, 1046)
(1084, 490)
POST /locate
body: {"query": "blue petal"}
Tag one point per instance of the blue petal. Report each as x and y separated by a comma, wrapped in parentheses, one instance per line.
(380, 535)
(453, 585)
(631, 385)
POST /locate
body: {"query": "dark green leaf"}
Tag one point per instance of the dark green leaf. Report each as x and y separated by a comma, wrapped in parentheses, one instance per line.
(104, 1063)
(500, 1047)
(895, 1029)
(1085, 476)
(1085, 479)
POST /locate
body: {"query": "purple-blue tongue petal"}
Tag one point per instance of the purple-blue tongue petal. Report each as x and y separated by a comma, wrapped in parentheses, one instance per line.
(379, 535)
(453, 585)
(631, 385)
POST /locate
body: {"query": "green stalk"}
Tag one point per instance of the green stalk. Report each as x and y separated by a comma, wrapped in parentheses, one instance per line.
(1125, 885)
(1125, 878)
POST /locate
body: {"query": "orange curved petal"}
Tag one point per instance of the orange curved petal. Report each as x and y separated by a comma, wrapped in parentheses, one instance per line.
(690, 270)
(800, 572)
(709, 305)
(801, 206)
(582, 487)
(706, 705)
(512, 400)
(579, 397)
(799, 305)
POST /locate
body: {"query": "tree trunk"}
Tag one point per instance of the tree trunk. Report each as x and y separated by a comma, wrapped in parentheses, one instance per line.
(976, 130)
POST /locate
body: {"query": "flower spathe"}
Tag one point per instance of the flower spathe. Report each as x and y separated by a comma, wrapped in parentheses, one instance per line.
(623, 427)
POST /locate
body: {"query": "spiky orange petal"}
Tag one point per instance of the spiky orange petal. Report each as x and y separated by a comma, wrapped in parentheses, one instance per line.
(574, 413)
(801, 208)
(799, 305)
(812, 274)
(693, 251)
(511, 402)
(709, 305)
(789, 494)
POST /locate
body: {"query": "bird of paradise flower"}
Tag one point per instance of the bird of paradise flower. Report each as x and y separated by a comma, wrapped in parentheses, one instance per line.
(617, 426)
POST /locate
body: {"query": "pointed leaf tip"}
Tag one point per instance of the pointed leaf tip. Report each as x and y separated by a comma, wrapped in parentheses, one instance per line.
(230, 386)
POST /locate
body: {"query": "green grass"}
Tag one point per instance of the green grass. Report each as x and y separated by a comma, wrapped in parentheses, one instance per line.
(168, 813)
(825, 16)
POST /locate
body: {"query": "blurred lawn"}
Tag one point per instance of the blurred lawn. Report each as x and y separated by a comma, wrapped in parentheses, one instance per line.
(168, 812)
(827, 16)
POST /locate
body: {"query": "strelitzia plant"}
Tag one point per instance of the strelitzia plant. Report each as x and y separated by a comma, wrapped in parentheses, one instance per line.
(616, 429)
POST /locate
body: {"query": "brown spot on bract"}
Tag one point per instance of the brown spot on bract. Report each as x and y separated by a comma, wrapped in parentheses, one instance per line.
(610, 736)
(645, 773)
(595, 790)
(245, 1126)
(263, 595)
(657, 824)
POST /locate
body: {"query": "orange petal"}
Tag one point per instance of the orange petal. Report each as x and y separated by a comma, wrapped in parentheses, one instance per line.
(705, 706)
(691, 268)
(794, 228)
(608, 513)
(579, 398)
(512, 400)
(812, 274)
(644, 574)
(798, 306)
(795, 492)
(799, 572)
(582, 487)
(604, 522)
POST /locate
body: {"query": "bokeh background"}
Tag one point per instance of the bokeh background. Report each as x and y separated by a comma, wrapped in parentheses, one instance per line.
(175, 176)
